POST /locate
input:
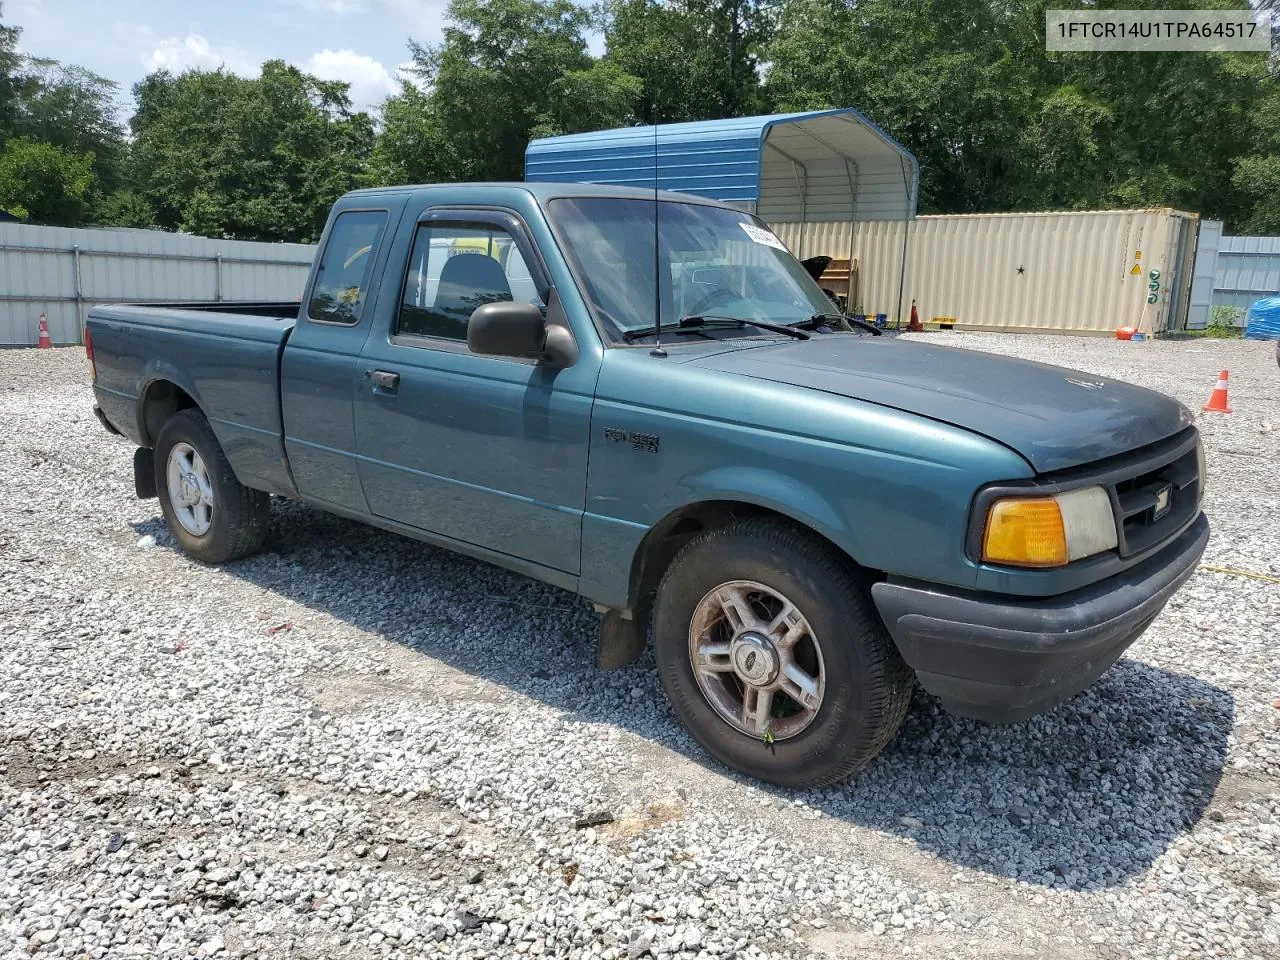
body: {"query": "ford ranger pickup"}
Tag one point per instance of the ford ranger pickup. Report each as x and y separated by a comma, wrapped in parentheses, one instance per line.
(803, 517)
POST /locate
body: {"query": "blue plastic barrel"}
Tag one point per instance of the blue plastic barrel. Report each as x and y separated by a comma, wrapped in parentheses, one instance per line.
(1264, 320)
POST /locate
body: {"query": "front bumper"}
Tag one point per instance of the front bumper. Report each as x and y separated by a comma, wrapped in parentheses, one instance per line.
(1003, 659)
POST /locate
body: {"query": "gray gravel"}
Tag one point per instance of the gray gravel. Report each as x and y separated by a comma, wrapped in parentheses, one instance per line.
(355, 745)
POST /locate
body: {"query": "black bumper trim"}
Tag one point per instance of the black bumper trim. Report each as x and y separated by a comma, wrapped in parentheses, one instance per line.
(107, 424)
(1003, 659)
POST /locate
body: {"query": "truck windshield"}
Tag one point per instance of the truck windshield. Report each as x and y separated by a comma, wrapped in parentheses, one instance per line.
(711, 261)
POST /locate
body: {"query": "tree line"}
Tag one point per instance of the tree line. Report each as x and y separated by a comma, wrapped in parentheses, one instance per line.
(996, 122)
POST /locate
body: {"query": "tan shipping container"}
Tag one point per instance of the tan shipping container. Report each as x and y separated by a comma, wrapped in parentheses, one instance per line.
(1075, 272)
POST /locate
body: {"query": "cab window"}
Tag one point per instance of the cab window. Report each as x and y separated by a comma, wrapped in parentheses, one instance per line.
(342, 277)
(456, 267)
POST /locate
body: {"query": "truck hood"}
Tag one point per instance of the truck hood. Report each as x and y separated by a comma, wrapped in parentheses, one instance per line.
(1054, 417)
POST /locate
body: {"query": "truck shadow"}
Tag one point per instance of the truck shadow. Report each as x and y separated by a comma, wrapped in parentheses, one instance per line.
(1082, 797)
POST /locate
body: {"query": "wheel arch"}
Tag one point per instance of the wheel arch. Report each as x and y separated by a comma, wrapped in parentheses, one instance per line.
(666, 537)
(159, 400)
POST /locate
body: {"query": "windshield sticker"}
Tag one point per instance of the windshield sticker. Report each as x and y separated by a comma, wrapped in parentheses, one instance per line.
(759, 235)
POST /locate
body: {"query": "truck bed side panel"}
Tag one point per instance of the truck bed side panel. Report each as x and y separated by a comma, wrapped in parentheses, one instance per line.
(229, 364)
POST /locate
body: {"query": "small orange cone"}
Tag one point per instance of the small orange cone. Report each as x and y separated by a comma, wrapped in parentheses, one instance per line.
(45, 342)
(1218, 399)
(915, 326)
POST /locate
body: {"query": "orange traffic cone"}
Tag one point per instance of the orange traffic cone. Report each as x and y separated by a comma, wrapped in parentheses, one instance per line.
(45, 342)
(1218, 399)
(915, 326)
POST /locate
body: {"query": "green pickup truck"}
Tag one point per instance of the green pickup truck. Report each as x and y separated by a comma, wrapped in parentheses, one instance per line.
(672, 420)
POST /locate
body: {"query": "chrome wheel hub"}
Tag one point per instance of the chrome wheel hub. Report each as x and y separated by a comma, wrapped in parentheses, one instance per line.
(190, 490)
(756, 659)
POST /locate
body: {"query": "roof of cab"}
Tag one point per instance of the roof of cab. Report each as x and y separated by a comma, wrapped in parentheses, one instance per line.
(543, 191)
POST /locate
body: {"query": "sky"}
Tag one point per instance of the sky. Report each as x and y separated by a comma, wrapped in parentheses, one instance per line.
(363, 42)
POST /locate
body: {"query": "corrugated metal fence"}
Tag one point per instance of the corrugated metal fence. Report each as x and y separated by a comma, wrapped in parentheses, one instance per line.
(1248, 269)
(62, 272)
(1086, 272)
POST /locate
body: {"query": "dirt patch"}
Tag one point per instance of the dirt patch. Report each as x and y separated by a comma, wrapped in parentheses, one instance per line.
(660, 811)
(1257, 882)
(348, 693)
(844, 943)
(1236, 788)
(27, 769)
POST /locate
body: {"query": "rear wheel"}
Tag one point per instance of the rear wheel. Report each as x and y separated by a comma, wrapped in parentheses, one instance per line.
(773, 656)
(211, 514)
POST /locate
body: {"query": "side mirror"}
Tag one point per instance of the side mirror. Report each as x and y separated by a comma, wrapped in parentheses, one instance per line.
(513, 328)
(507, 328)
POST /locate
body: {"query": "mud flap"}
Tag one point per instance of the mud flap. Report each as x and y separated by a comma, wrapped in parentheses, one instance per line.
(144, 473)
(621, 641)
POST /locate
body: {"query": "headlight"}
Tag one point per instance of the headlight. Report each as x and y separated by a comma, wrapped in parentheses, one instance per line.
(1049, 531)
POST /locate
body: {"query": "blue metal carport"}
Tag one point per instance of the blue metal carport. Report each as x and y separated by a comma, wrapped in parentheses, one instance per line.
(807, 167)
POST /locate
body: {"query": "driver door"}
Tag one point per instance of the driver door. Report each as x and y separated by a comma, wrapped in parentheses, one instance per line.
(489, 451)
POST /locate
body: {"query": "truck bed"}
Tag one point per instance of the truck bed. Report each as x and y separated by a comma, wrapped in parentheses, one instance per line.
(224, 356)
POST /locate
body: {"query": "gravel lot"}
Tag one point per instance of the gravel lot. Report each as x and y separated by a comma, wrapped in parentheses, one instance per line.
(356, 745)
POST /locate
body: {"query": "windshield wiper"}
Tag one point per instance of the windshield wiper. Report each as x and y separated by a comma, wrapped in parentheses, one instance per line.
(700, 322)
(841, 321)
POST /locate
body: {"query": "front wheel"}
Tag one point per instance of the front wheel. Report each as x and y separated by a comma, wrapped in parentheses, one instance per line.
(773, 656)
(212, 515)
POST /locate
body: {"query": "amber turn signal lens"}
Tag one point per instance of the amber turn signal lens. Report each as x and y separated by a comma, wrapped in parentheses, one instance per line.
(1025, 532)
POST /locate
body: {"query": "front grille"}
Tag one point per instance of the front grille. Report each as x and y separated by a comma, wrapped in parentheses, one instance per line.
(1171, 475)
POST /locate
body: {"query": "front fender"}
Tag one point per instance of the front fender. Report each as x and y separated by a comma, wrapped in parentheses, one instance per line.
(779, 493)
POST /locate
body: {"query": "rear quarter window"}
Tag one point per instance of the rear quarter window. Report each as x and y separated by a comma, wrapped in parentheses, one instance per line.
(342, 276)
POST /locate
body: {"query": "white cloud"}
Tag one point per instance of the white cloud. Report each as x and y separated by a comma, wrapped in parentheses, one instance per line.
(194, 52)
(370, 82)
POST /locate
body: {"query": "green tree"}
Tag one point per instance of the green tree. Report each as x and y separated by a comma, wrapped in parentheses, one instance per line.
(506, 70)
(44, 183)
(998, 124)
(261, 158)
(1257, 174)
(412, 146)
(1174, 124)
(934, 73)
(598, 98)
(72, 108)
(11, 80)
(698, 59)
(124, 208)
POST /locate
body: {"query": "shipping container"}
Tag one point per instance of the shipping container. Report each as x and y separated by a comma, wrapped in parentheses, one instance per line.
(62, 272)
(1076, 272)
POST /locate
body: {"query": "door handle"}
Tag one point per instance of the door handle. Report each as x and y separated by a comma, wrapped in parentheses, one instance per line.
(384, 379)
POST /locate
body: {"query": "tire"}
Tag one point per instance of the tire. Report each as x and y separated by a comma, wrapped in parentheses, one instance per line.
(864, 687)
(238, 518)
